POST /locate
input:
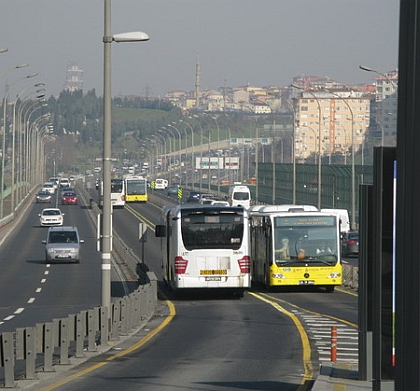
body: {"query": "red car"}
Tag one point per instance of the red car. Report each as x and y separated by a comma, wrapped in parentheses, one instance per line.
(69, 198)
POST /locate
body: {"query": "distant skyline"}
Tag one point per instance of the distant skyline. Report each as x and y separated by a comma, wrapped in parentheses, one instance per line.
(238, 42)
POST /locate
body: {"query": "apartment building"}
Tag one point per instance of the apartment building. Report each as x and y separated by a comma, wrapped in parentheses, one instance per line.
(332, 122)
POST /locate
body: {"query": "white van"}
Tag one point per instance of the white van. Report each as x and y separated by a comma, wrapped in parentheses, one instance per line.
(240, 196)
(344, 218)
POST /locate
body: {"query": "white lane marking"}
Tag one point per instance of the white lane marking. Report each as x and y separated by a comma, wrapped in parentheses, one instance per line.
(46, 272)
(43, 280)
(9, 317)
(31, 300)
(19, 310)
(38, 290)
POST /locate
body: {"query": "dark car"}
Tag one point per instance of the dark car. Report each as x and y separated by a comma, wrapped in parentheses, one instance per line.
(194, 197)
(173, 191)
(350, 244)
(43, 196)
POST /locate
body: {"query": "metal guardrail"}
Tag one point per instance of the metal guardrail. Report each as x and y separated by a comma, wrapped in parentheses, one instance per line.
(351, 277)
(29, 350)
(42, 347)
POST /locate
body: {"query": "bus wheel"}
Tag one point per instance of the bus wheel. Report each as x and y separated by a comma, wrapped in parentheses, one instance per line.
(330, 288)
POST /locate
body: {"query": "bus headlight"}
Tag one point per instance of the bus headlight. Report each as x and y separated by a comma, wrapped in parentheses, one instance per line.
(279, 275)
(334, 275)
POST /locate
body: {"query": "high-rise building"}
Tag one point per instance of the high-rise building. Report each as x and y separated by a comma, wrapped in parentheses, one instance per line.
(331, 123)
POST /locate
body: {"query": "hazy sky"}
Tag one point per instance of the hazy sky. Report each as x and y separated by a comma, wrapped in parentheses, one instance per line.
(239, 42)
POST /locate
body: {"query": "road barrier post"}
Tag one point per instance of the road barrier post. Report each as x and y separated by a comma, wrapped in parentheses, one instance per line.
(333, 343)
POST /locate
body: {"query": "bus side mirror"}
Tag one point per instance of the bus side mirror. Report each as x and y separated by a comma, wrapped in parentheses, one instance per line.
(160, 231)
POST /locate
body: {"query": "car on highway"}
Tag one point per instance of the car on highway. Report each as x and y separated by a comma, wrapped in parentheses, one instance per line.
(62, 244)
(193, 196)
(219, 202)
(51, 216)
(350, 243)
(48, 186)
(69, 198)
(55, 181)
(43, 196)
(65, 182)
(173, 191)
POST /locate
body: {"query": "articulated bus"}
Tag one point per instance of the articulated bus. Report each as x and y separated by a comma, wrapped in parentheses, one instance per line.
(117, 193)
(295, 245)
(205, 246)
(136, 189)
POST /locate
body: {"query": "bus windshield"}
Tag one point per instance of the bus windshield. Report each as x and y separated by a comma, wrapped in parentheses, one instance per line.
(136, 187)
(117, 185)
(308, 240)
(207, 230)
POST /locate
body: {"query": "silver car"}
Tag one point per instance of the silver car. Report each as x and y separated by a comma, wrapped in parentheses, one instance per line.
(62, 245)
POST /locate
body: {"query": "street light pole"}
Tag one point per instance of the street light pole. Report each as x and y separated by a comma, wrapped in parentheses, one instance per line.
(107, 207)
(353, 166)
(180, 148)
(5, 131)
(192, 149)
(291, 106)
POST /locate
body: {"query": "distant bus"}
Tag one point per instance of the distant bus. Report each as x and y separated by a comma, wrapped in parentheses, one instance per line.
(117, 193)
(295, 247)
(205, 246)
(136, 189)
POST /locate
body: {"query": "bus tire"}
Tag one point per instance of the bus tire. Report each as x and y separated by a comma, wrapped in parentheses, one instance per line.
(330, 288)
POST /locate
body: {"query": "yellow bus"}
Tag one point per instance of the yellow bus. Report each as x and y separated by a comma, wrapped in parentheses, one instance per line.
(135, 189)
(294, 245)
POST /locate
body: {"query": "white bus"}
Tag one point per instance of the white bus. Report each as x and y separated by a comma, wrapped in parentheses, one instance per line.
(205, 246)
(117, 193)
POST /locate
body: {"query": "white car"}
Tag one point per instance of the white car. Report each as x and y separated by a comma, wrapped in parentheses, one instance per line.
(49, 186)
(65, 182)
(50, 217)
(219, 203)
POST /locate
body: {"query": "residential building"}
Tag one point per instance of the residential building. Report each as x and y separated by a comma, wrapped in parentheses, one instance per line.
(330, 122)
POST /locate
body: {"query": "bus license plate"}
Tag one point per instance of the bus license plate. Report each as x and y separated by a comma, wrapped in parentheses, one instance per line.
(213, 278)
(212, 272)
(306, 282)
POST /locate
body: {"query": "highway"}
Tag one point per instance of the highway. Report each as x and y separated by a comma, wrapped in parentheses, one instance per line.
(264, 341)
(32, 291)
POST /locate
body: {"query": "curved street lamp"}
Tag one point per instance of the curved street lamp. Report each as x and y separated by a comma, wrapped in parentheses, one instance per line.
(353, 168)
(12, 68)
(13, 195)
(107, 206)
(192, 146)
(179, 145)
(4, 133)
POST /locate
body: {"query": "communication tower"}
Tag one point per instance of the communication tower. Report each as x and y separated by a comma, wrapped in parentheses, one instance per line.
(74, 78)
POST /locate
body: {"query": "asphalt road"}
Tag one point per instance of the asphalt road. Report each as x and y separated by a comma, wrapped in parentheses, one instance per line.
(264, 341)
(32, 291)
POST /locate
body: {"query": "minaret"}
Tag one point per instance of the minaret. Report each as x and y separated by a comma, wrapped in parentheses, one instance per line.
(197, 83)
